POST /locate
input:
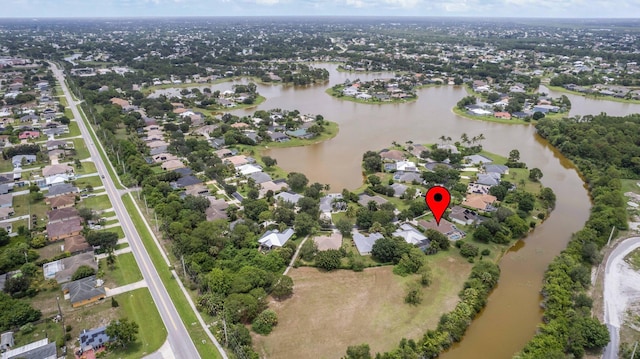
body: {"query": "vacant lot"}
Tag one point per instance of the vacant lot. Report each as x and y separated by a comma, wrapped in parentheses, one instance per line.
(330, 311)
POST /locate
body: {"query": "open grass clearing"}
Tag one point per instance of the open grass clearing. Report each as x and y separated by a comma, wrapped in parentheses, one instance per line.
(633, 259)
(96, 203)
(86, 168)
(93, 181)
(630, 185)
(330, 311)
(23, 206)
(196, 332)
(117, 230)
(6, 165)
(82, 152)
(125, 271)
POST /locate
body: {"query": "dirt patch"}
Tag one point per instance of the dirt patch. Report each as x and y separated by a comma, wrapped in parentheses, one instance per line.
(332, 241)
(330, 311)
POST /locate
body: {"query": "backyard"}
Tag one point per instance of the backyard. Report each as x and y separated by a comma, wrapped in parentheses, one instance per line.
(330, 311)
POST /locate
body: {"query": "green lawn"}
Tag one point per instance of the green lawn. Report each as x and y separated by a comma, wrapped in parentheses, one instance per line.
(592, 96)
(83, 182)
(96, 202)
(126, 269)
(74, 130)
(117, 230)
(6, 165)
(87, 168)
(338, 94)
(633, 258)
(196, 332)
(490, 118)
(22, 206)
(138, 306)
(81, 149)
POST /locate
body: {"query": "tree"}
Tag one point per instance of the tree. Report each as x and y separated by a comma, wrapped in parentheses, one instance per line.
(371, 162)
(538, 115)
(83, 272)
(328, 260)
(106, 240)
(122, 331)
(535, 174)
(438, 240)
(17, 286)
(269, 161)
(386, 250)
(16, 313)
(297, 181)
(282, 288)
(86, 213)
(514, 156)
(308, 250)
(304, 224)
(264, 322)
(361, 351)
(468, 250)
(344, 226)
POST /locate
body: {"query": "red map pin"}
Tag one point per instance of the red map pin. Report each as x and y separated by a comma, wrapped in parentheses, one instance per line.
(438, 199)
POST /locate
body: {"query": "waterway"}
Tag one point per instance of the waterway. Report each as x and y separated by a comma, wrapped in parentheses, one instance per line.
(513, 310)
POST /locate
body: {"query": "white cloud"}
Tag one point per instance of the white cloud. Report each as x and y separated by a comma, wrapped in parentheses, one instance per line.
(405, 4)
(267, 2)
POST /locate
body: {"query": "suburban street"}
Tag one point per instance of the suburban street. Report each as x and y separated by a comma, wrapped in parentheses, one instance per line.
(614, 290)
(178, 337)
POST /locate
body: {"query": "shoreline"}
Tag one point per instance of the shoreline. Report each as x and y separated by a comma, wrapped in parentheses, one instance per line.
(330, 92)
(592, 96)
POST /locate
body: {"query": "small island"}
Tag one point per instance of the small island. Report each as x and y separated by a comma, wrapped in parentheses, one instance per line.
(515, 104)
(393, 90)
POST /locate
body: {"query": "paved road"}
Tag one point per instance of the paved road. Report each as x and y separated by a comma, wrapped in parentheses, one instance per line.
(618, 254)
(178, 337)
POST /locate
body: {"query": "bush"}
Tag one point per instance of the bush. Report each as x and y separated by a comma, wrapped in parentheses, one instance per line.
(414, 295)
(114, 303)
(83, 272)
(328, 260)
(485, 252)
(27, 328)
(264, 322)
(68, 328)
(541, 215)
(468, 250)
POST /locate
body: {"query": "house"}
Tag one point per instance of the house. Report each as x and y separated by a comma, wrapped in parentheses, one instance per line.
(482, 202)
(63, 229)
(58, 173)
(393, 155)
(158, 144)
(64, 201)
(84, 291)
(93, 339)
(364, 243)
(6, 213)
(196, 190)
(502, 115)
(364, 200)
(290, 197)
(172, 165)
(398, 189)
(445, 227)
(478, 188)
(120, 102)
(158, 150)
(40, 349)
(62, 214)
(6, 200)
(185, 171)
(300, 133)
(6, 341)
(237, 161)
(260, 177)
(350, 91)
(278, 137)
(55, 144)
(163, 157)
(500, 169)
(186, 182)
(76, 244)
(217, 209)
(223, 153)
(477, 160)
(275, 238)
(407, 177)
(29, 118)
(19, 160)
(451, 148)
(248, 169)
(545, 108)
(275, 186)
(488, 179)
(332, 202)
(62, 270)
(412, 236)
(406, 166)
(26, 135)
(61, 189)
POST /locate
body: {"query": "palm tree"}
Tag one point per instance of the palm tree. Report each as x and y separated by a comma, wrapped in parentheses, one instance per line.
(464, 138)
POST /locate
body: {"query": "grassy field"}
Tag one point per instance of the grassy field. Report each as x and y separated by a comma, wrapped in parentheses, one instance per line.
(96, 202)
(633, 259)
(81, 148)
(196, 332)
(22, 206)
(74, 130)
(630, 185)
(125, 271)
(117, 230)
(330, 311)
(138, 306)
(490, 118)
(83, 182)
(87, 168)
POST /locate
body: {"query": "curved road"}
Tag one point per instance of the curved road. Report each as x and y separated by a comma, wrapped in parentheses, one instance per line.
(611, 309)
(178, 337)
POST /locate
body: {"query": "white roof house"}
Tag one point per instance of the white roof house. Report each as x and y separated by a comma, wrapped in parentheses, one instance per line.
(275, 238)
(364, 243)
(410, 234)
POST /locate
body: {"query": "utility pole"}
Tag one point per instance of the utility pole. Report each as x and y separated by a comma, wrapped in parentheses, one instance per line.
(145, 204)
(155, 214)
(611, 235)
(184, 268)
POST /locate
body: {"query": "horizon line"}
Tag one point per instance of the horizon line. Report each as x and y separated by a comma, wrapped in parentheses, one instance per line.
(317, 16)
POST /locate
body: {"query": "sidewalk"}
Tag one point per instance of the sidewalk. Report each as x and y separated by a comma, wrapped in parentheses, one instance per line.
(164, 352)
(125, 288)
(115, 253)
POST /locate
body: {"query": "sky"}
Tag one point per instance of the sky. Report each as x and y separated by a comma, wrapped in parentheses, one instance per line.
(473, 8)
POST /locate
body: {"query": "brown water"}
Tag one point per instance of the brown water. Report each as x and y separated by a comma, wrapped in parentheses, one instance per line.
(513, 311)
